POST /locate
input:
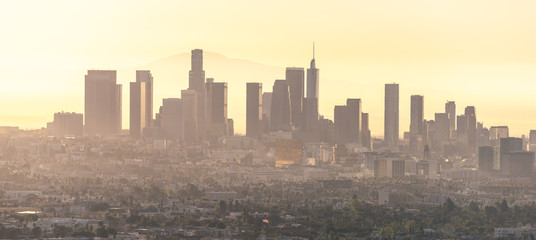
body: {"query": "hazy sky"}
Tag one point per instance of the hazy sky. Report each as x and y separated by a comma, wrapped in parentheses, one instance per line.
(478, 52)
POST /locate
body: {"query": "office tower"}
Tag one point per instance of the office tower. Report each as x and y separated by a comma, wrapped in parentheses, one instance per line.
(441, 131)
(171, 118)
(266, 110)
(496, 133)
(532, 140)
(365, 131)
(508, 145)
(102, 104)
(354, 119)
(197, 83)
(341, 124)
(295, 80)
(67, 125)
(450, 110)
(189, 113)
(310, 104)
(280, 114)
(417, 115)
(391, 116)
(254, 110)
(518, 164)
(217, 108)
(471, 128)
(486, 156)
(141, 103)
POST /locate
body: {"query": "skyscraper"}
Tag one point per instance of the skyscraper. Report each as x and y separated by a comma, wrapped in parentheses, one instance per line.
(295, 80)
(417, 116)
(171, 118)
(254, 110)
(450, 110)
(365, 131)
(391, 116)
(189, 113)
(197, 83)
(67, 124)
(280, 116)
(471, 128)
(267, 110)
(441, 131)
(354, 119)
(102, 104)
(217, 108)
(340, 119)
(310, 103)
(141, 103)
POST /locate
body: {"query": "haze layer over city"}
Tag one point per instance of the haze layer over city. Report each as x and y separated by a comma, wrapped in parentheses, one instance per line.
(267, 120)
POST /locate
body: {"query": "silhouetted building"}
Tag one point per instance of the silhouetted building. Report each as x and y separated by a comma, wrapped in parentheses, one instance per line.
(267, 110)
(354, 119)
(450, 110)
(391, 116)
(496, 133)
(141, 103)
(471, 128)
(508, 145)
(254, 110)
(518, 164)
(310, 104)
(172, 118)
(532, 140)
(486, 158)
(295, 80)
(217, 108)
(365, 132)
(341, 125)
(230, 127)
(102, 104)
(189, 113)
(417, 115)
(280, 108)
(197, 84)
(441, 131)
(67, 125)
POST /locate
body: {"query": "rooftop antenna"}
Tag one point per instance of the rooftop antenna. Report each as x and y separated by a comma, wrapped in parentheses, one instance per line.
(313, 50)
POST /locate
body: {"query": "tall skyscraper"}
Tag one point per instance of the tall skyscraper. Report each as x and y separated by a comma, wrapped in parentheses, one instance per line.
(197, 83)
(171, 118)
(280, 116)
(141, 103)
(391, 116)
(254, 110)
(365, 131)
(496, 133)
(417, 115)
(217, 108)
(189, 113)
(295, 80)
(310, 103)
(470, 113)
(267, 110)
(441, 131)
(450, 110)
(341, 124)
(102, 104)
(354, 118)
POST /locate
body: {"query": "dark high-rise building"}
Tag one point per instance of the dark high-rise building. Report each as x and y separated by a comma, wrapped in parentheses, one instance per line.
(295, 80)
(267, 110)
(508, 145)
(441, 131)
(391, 116)
(417, 115)
(486, 155)
(280, 114)
(348, 122)
(310, 104)
(217, 108)
(189, 113)
(102, 104)
(67, 125)
(519, 164)
(197, 83)
(450, 110)
(354, 119)
(254, 110)
(471, 128)
(532, 140)
(365, 131)
(341, 125)
(141, 103)
(171, 118)
(496, 133)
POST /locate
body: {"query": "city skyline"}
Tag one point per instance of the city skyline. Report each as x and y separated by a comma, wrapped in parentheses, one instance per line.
(434, 58)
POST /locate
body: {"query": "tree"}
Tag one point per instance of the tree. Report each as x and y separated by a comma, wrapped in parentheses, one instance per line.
(504, 206)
